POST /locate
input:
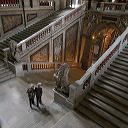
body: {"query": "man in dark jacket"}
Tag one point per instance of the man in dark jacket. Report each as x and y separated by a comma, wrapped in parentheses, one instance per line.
(38, 91)
(31, 95)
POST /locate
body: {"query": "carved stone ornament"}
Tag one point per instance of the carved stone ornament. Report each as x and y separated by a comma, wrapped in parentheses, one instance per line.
(14, 51)
(61, 78)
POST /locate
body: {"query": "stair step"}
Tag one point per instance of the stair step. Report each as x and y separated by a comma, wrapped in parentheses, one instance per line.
(15, 39)
(1, 64)
(109, 109)
(121, 67)
(104, 114)
(95, 117)
(111, 95)
(124, 52)
(115, 79)
(125, 49)
(120, 62)
(117, 70)
(20, 36)
(109, 101)
(119, 76)
(122, 59)
(4, 70)
(2, 46)
(23, 34)
(114, 84)
(113, 90)
(6, 73)
(5, 42)
(7, 78)
(123, 55)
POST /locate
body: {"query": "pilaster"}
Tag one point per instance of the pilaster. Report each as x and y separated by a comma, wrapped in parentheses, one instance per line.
(51, 50)
(63, 51)
(1, 28)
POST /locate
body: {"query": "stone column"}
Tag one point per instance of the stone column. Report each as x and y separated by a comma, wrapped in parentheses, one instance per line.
(78, 42)
(62, 4)
(1, 28)
(51, 50)
(35, 3)
(57, 5)
(94, 4)
(63, 50)
(86, 52)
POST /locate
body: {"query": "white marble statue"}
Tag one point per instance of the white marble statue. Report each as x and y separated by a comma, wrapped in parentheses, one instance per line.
(14, 51)
(61, 77)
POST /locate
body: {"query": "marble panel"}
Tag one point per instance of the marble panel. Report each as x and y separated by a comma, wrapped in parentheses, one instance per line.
(42, 55)
(10, 22)
(71, 43)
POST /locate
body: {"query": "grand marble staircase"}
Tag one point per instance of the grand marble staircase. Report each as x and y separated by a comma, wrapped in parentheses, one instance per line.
(31, 30)
(5, 72)
(107, 102)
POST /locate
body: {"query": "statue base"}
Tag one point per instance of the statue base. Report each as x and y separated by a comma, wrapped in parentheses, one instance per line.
(64, 91)
(62, 99)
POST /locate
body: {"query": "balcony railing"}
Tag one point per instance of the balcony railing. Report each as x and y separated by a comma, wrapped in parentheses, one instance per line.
(109, 6)
(9, 3)
(46, 3)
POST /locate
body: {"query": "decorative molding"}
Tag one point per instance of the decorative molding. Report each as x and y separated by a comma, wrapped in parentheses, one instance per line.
(10, 22)
(31, 16)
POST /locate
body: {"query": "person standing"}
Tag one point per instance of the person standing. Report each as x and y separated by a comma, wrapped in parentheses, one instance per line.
(31, 95)
(38, 91)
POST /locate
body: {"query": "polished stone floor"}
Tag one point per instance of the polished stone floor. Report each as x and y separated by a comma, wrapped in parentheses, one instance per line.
(15, 111)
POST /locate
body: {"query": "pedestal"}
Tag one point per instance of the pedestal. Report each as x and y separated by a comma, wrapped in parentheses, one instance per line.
(61, 99)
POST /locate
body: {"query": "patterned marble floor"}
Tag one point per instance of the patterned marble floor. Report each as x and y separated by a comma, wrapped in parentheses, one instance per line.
(15, 111)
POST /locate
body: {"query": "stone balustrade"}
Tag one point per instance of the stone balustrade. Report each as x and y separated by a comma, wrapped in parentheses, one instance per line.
(46, 32)
(46, 3)
(9, 3)
(81, 87)
(109, 6)
(39, 66)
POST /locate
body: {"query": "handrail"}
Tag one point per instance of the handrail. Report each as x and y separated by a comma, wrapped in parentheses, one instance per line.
(82, 86)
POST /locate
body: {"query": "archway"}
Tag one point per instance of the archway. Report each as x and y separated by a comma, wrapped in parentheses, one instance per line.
(98, 38)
